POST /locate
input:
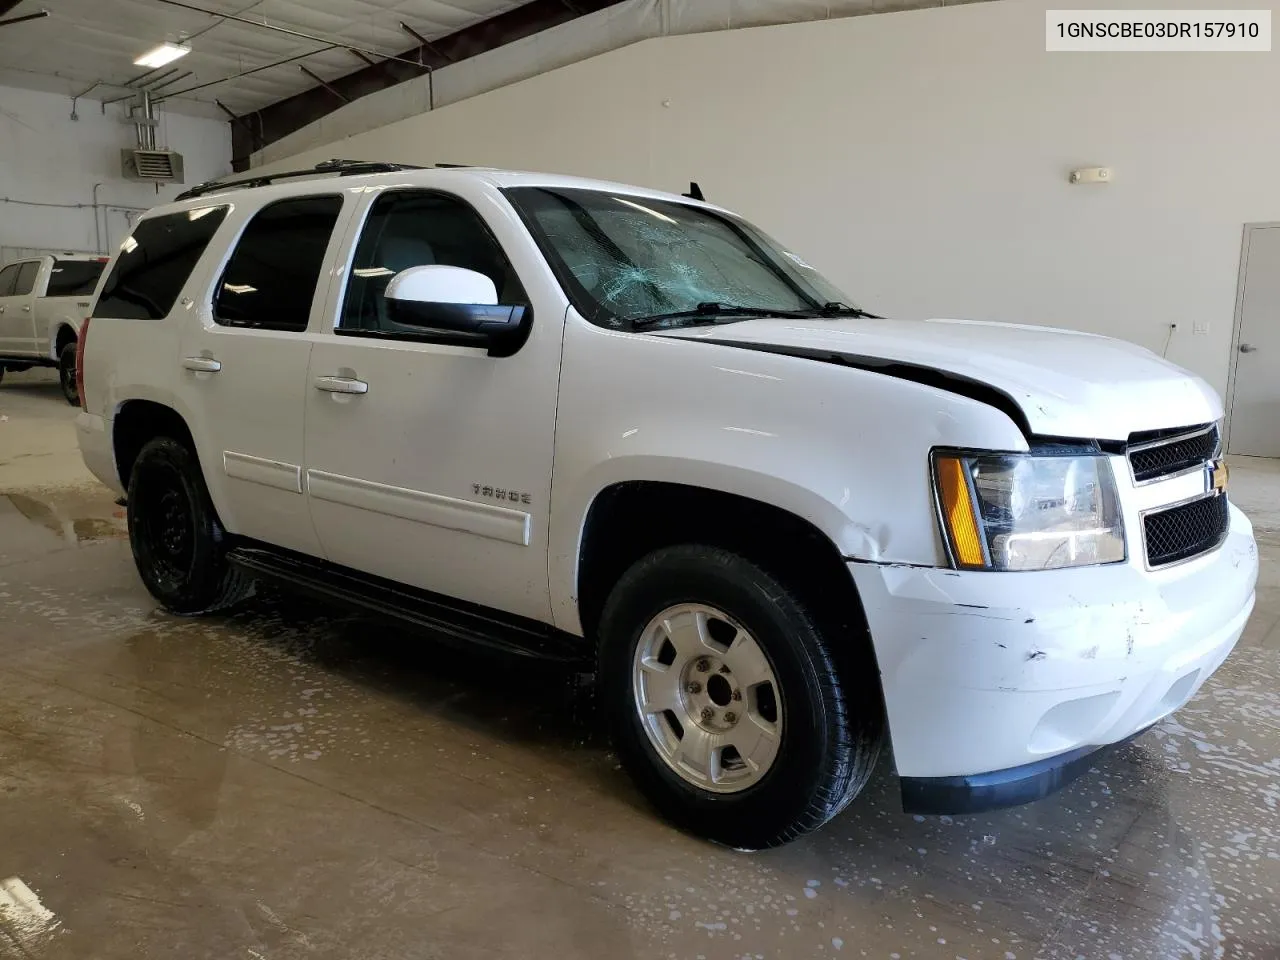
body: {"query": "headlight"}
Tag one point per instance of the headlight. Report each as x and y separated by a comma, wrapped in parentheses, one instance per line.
(1010, 511)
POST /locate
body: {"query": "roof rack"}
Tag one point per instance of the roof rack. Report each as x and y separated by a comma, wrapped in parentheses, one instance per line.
(343, 168)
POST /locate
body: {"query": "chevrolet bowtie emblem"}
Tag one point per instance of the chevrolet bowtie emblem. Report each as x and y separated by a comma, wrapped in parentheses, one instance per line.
(1218, 475)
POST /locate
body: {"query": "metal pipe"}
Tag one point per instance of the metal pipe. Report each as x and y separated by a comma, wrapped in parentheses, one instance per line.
(30, 16)
(424, 44)
(170, 82)
(149, 122)
(145, 74)
(245, 73)
(287, 30)
(97, 230)
(316, 77)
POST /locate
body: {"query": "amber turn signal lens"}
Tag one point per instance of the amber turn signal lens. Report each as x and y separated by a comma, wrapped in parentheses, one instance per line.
(957, 513)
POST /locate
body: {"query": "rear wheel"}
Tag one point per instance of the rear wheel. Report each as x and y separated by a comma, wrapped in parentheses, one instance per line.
(726, 704)
(67, 373)
(178, 543)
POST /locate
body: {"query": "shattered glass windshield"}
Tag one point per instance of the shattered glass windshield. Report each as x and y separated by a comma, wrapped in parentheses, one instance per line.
(627, 261)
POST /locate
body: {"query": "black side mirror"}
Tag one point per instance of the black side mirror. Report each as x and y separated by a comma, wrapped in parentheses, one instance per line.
(458, 301)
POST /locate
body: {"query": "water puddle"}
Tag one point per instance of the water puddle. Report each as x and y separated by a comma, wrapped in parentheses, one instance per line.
(74, 516)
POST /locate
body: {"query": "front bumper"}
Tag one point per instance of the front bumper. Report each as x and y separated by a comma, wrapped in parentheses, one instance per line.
(985, 672)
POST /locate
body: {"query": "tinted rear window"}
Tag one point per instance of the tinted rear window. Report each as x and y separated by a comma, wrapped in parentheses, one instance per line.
(271, 278)
(74, 278)
(155, 262)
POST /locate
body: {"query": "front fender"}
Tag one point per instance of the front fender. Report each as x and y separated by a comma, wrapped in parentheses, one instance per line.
(845, 449)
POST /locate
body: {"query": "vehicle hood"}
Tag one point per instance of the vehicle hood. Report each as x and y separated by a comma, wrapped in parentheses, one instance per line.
(1064, 383)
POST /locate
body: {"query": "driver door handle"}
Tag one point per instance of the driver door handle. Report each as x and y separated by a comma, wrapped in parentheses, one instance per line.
(341, 385)
(1247, 348)
(202, 364)
(26, 308)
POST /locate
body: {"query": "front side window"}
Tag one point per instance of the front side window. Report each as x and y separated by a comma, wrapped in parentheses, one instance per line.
(8, 276)
(419, 228)
(26, 281)
(155, 263)
(271, 279)
(74, 278)
(624, 259)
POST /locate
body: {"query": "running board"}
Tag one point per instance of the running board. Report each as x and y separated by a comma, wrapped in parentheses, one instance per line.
(453, 621)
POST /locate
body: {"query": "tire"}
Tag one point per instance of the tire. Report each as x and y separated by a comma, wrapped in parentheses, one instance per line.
(67, 373)
(828, 727)
(178, 543)
(3, 370)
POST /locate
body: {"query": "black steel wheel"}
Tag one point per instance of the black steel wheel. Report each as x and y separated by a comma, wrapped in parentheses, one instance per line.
(67, 373)
(178, 543)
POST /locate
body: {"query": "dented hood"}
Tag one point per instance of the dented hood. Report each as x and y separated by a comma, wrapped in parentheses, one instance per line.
(1066, 384)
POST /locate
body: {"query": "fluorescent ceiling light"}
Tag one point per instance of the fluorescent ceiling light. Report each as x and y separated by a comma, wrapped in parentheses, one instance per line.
(161, 55)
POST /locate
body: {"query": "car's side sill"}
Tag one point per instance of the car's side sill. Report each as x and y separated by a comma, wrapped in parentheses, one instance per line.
(981, 792)
(447, 619)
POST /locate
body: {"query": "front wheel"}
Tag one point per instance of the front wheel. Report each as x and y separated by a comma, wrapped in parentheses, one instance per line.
(67, 373)
(725, 701)
(179, 545)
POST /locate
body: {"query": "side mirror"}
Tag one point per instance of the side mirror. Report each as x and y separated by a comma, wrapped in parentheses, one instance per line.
(456, 300)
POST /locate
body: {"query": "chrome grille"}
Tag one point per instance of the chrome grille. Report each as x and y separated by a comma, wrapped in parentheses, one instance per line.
(1185, 531)
(1154, 456)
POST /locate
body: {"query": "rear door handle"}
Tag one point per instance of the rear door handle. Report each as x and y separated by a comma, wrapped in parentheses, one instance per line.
(341, 385)
(26, 308)
(202, 364)
(1247, 348)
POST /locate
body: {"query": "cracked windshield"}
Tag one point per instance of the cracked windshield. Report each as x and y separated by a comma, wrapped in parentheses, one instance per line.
(632, 261)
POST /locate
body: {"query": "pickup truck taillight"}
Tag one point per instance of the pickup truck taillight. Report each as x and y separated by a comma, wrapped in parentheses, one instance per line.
(80, 341)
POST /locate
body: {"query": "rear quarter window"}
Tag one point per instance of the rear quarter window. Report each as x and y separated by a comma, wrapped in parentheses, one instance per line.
(74, 278)
(155, 262)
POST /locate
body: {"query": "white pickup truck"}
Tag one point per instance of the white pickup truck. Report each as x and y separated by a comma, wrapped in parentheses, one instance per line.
(43, 302)
(613, 426)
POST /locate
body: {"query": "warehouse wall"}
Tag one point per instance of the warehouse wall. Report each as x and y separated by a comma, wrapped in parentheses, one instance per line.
(47, 158)
(921, 159)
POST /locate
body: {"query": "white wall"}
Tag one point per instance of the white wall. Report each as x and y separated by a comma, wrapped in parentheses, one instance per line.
(47, 158)
(921, 160)
(614, 26)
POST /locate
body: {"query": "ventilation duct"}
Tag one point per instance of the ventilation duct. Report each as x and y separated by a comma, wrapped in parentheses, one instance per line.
(144, 162)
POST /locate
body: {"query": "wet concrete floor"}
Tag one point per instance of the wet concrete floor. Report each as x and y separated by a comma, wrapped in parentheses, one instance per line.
(289, 783)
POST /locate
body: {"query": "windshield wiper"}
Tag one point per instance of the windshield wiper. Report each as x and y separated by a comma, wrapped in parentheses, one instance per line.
(711, 309)
(837, 309)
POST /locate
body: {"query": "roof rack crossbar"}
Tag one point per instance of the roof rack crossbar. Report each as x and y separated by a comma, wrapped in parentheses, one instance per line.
(343, 168)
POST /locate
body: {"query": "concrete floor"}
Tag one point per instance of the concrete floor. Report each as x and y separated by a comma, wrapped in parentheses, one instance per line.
(280, 784)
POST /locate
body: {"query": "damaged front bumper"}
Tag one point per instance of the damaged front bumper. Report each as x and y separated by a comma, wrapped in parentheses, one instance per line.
(998, 686)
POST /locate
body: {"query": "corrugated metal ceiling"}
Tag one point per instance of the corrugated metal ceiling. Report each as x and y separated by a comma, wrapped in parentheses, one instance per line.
(86, 41)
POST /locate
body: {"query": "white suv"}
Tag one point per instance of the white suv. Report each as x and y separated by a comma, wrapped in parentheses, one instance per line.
(599, 423)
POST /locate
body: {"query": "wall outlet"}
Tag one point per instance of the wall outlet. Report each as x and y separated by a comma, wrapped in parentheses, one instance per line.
(1200, 328)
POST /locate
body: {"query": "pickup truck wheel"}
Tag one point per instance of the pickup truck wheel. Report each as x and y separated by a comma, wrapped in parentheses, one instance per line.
(725, 702)
(179, 545)
(67, 374)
